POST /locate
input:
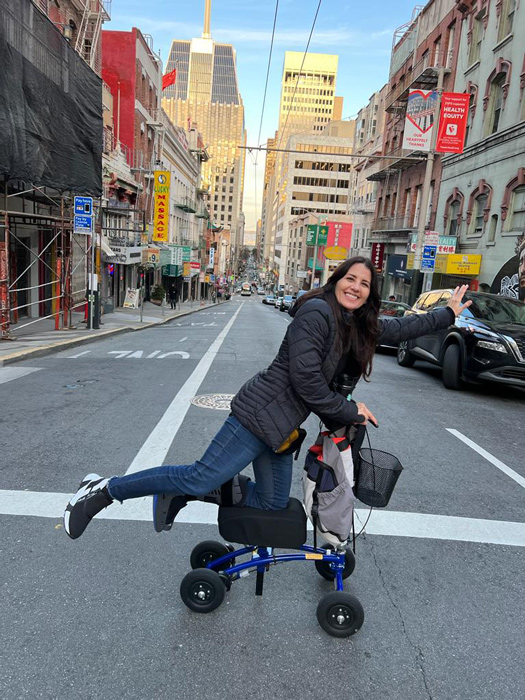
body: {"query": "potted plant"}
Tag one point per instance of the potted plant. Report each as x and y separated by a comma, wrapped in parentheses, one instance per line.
(158, 295)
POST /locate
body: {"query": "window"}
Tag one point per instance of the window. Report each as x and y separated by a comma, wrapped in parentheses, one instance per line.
(496, 91)
(495, 105)
(477, 224)
(506, 18)
(476, 37)
(517, 210)
(453, 215)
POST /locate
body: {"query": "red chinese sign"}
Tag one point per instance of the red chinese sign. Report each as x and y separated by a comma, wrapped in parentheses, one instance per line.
(378, 253)
(452, 122)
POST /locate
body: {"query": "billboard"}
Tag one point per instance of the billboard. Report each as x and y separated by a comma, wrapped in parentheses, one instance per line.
(419, 120)
(161, 217)
(453, 117)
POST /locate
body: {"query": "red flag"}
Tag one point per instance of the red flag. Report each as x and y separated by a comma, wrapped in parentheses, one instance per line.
(169, 78)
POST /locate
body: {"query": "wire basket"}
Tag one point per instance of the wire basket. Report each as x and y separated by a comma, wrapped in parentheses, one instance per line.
(376, 477)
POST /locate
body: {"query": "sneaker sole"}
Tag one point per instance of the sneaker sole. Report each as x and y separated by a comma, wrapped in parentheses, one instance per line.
(77, 496)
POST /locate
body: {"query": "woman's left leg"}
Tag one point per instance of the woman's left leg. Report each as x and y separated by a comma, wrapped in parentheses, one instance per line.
(273, 480)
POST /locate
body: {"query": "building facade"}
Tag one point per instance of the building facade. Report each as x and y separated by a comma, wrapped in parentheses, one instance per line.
(482, 199)
(424, 48)
(206, 94)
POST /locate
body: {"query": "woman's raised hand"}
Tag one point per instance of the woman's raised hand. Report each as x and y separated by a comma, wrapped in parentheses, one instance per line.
(368, 415)
(455, 300)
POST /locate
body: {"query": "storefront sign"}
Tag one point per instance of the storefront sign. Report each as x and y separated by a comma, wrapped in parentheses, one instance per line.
(452, 122)
(150, 256)
(378, 255)
(396, 266)
(195, 268)
(132, 299)
(124, 255)
(170, 270)
(162, 205)
(419, 120)
(458, 264)
(445, 244)
(335, 252)
(212, 257)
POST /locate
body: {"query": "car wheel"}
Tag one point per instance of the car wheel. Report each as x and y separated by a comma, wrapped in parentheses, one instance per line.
(404, 358)
(452, 368)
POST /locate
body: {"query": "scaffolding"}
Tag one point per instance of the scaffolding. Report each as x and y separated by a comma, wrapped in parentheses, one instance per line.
(44, 265)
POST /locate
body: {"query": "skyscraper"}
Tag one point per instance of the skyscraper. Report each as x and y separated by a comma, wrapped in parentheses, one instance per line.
(206, 92)
(308, 105)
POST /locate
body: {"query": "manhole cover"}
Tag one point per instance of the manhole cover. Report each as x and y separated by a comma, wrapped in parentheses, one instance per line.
(218, 402)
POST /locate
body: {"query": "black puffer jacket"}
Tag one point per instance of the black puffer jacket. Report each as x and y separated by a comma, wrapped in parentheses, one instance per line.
(277, 400)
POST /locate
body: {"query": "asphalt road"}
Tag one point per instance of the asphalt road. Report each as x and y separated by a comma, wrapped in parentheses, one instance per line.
(101, 617)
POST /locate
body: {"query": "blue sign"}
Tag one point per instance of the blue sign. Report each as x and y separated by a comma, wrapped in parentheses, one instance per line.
(84, 205)
(83, 224)
(429, 257)
(396, 266)
(212, 278)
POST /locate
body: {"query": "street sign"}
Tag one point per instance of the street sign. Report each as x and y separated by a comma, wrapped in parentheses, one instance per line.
(84, 205)
(83, 224)
(445, 244)
(316, 235)
(300, 274)
(429, 257)
(378, 254)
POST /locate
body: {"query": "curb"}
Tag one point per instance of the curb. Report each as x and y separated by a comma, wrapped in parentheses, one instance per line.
(64, 344)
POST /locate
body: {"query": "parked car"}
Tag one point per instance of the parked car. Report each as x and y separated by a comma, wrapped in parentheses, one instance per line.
(286, 302)
(277, 302)
(391, 309)
(486, 343)
(269, 299)
(260, 291)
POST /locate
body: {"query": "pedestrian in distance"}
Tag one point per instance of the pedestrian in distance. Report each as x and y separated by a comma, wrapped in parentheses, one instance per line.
(391, 298)
(334, 331)
(173, 296)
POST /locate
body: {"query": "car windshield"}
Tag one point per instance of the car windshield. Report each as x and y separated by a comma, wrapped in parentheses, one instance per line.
(392, 308)
(288, 297)
(498, 309)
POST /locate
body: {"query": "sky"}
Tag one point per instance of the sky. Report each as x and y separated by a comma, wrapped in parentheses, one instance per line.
(360, 33)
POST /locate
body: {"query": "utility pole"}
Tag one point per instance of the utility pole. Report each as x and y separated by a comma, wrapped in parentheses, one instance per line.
(425, 195)
(314, 261)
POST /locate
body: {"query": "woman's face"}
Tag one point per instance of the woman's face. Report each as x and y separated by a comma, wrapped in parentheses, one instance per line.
(353, 289)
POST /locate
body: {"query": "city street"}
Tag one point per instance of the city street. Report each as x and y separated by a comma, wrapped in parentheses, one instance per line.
(439, 573)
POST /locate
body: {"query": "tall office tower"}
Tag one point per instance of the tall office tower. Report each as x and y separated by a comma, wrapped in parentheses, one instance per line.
(206, 93)
(308, 104)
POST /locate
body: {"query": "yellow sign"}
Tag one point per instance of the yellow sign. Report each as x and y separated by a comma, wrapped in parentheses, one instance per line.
(410, 261)
(186, 269)
(206, 278)
(150, 256)
(162, 205)
(335, 252)
(458, 264)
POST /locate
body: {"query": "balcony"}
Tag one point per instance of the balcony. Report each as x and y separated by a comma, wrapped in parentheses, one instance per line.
(392, 224)
(202, 212)
(400, 159)
(186, 204)
(424, 75)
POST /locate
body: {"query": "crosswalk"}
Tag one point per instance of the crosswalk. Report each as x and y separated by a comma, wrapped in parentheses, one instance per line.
(8, 374)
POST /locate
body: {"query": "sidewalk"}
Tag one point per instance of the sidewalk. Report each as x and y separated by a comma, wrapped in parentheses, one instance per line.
(41, 338)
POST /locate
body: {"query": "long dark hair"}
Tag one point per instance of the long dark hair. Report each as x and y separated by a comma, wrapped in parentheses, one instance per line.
(357, 332)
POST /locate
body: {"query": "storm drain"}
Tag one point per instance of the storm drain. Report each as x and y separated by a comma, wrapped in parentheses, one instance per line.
(217, 402)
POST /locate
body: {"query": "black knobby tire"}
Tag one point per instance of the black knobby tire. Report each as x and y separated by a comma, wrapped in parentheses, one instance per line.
(207, 551)
(452, 367)
(202, 590)
(323, 567)
(404, 358)
(340, 614)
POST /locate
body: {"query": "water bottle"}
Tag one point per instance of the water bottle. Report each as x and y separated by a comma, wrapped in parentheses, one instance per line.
(345, 384)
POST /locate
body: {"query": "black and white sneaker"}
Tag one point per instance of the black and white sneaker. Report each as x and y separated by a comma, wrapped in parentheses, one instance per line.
(92, 497)
(166, 506)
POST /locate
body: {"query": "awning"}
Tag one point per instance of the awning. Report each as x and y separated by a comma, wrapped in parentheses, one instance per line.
(106, 249)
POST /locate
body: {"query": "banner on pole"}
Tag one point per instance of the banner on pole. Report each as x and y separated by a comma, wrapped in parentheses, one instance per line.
(162, 205)
(378, 254)
(419, 120)
(453, 119)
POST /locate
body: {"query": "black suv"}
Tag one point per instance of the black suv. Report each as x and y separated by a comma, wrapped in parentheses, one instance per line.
(486, 343)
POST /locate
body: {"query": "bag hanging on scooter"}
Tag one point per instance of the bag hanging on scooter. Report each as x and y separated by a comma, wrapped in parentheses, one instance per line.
(328, 482)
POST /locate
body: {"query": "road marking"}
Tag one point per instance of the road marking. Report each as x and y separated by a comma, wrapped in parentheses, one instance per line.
(152, 354)
(184, 355)
(154, 450)
(119, 353)
(138, 354)
(7, 374)
(385, 523)
(493, 460)
(183, 339)
(79, 354)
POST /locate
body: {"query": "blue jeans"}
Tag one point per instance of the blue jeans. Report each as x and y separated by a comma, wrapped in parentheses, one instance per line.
(231, 450)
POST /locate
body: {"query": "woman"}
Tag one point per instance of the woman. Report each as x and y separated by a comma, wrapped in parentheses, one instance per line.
(335, 330)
